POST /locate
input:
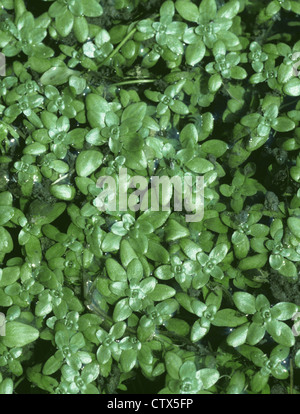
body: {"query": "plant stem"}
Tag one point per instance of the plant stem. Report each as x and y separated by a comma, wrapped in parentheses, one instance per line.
(115, 51)
(19, 382)
(291, 376)
(288, 103)
(133, 82)
(60, 179)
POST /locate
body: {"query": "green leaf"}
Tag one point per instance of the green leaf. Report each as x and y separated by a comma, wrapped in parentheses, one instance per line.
(297, 359)
(64, 23)
(261, 302)
(178, 326)
(115, 271)
(167, 9)
(161, 292)
(57, 75)
(103, 355)
(6, 198)
(189, 135)
(228, 317)
(117, 331)
(190, 248)
(295, 7)
(236, 383)
(283, 311)
(173, 364)
(250, 120)
(122, 310)
(276, 261)
(288, 269)
(238, 336)
(194, 53)
(253, 262)
(126, 253)
(6, 213)
(34, 251)
(145, 355)
(87, 162)
(91, 8)
(5, 299)
(128, 359)
(295, 173)
(175, 231)
(208, 9)
(200, 165)
(198, 331)
(156, 218)
(97, 107)
(245, 302)
(281, 333)
(145, 333)
(9, 275)
(294, 226)
(292, 87)
(229, 10)
(241, 244)
(208, 377)
(258, 382)
(187, 10)
(179, 107)
(255, 334)
(78, 84)
(230, 40)
(226, 190)
(52, 365)
(164, 272)
(43, 308)
(254, 354)
(35, 149)
(259, 230)
(63, 192)
(238, 73)
(175, 45)
(111, 242)
(215, 82)
(215, 147)
(285, 72)
(19, 334)
(135, 272)
(43, 213)
(6, 242)
(283, 124)
(7, 386)
(219, 252)
(81, 29)
(157, 252)
(90, 373)
(135, 111)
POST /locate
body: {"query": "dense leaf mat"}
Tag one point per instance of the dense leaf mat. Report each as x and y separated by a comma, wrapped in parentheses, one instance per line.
(145, 301)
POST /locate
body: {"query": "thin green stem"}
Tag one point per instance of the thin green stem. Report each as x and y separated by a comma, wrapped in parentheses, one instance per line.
(95, 309)
(291, 376)
(115, 51)
(19, 382)
(133, 82)
(289, 103)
